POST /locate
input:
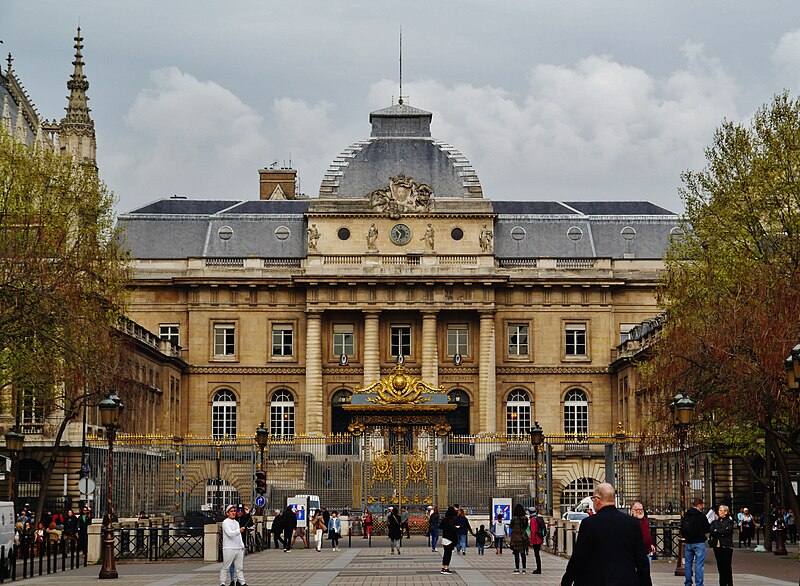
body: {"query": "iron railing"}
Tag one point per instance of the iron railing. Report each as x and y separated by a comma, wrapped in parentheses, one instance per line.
(35, 557)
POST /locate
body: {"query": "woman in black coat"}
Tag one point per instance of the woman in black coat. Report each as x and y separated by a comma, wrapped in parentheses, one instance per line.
(721, 539)
(395, 531)
(449, 538)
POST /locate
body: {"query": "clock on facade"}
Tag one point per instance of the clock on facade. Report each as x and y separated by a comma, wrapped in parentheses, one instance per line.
(400, 234)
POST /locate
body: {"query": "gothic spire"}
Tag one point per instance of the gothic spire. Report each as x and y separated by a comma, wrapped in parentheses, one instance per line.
(77, 135)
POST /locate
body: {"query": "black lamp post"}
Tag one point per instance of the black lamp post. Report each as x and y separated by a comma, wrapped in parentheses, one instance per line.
(262, 437)
(111, 409)
(14, 443)
(682, 408)
(537, 439)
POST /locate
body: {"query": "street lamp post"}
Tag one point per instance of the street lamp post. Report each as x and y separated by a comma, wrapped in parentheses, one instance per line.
(620, 437)
(537, 439)
(682, 408)
(14, 443)
(111, 409)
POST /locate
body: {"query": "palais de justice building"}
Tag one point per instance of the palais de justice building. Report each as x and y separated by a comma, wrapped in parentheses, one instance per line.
(283, 305)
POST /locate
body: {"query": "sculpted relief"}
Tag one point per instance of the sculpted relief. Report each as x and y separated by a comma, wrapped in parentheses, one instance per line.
(402, 195)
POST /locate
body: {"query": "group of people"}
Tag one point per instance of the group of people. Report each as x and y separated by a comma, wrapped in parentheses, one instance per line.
(68, 529)
(321, 524)
(523, 533)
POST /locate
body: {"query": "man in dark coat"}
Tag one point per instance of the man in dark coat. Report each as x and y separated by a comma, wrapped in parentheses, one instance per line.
(609, 550)
(694, 527)
(277, 528)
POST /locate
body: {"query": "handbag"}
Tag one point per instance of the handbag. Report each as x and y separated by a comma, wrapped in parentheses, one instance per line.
(446, 541)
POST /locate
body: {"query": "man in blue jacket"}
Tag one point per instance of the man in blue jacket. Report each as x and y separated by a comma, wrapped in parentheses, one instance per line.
(609, 550)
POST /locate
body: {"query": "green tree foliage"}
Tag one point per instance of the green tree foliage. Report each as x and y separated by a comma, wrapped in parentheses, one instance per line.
(732, 284)
(62, 284)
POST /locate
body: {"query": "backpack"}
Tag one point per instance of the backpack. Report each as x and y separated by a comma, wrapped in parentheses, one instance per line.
(542, 531)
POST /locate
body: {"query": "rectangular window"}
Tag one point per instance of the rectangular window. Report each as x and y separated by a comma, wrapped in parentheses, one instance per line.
(282, 340)
(170, 332)
(518, 339)
(575, 340)
(224, 339)
(343, 340)
(401, 341)
(457, 338)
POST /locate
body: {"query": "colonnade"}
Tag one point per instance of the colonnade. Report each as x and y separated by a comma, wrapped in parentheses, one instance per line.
(430, 358)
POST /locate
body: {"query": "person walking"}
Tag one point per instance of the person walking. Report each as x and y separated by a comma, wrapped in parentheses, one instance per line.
(791, 526)
(463, 528)
(637, 511)
(519, 537)
(395, 531)
(609, 549)
(232, 548)
(449, 538)
(334, 530)
(277, 529)
(367, 524)
(481, 537)
(433, 528)
(538, 532)
(318, 528)
(499, 532)
(289, 520)
(721, 539)
(694, 528)
(747, 528)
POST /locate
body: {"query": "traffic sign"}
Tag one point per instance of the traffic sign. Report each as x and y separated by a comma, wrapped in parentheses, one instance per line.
(502, 507)
(261, 501)
(86, 486)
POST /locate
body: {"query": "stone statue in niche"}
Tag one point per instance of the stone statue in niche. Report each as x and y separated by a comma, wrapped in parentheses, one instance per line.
(372, 238)
(402, 195)
(428, 238)
(485, 239)
(313, 238)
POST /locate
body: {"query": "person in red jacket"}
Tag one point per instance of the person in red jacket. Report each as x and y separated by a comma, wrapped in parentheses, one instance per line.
(637, 510)
(538, 531)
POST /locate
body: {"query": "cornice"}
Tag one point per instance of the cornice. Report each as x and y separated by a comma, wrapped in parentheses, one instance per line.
(342, 370)
(459, 370)
(553, 370)
(247, 370)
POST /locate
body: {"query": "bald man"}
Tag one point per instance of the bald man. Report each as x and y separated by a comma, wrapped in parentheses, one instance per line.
(609, 550)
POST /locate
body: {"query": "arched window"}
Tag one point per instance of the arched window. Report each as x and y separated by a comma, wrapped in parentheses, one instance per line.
(340, 419)
(223, 414)
(458, 419)
(575, 491)
(576, 413)
(29, 478)
(281, 414)
(518, 413)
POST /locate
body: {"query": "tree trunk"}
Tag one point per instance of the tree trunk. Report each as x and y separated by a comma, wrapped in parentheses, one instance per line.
(767, 496)
(780, 460)
(51, 463)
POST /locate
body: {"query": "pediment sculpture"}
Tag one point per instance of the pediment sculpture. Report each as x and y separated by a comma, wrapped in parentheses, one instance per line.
(402, 195)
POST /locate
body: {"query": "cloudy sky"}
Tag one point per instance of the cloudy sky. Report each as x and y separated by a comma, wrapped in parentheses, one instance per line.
(550, 100)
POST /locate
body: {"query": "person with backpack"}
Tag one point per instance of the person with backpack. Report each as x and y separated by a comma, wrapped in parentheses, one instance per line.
(538, 532)
(694, 528)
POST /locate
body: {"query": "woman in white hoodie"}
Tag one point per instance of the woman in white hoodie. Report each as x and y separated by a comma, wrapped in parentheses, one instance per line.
(232, 548)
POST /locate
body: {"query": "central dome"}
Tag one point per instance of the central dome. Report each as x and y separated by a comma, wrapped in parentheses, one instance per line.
(400, 143)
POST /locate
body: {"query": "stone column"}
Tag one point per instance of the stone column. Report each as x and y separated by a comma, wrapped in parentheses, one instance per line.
(372, 347)
(487, 413)
(313, 399)
(430, 353)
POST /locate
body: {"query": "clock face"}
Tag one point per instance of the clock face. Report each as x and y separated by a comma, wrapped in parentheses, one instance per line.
(400, 234)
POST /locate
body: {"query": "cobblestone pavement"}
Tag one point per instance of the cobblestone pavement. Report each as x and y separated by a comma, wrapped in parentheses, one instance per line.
(416, 565)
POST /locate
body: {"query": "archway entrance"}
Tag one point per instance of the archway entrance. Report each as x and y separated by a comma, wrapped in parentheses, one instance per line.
(401, 422)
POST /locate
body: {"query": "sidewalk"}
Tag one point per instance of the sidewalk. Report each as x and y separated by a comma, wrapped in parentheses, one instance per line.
(416, 565)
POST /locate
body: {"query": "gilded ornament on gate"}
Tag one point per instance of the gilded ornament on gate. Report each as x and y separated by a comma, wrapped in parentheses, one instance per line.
(399, 388)
(416, 467)
(442, 429)
(357, 429)
(382, 467)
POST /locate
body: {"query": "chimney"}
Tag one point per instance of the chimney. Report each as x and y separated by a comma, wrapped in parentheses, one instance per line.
(277, 183)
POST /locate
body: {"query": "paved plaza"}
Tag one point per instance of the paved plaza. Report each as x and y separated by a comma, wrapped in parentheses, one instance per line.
(417, 565)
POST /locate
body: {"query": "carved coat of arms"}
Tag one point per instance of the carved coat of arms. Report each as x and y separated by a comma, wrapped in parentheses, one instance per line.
(402, 195)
